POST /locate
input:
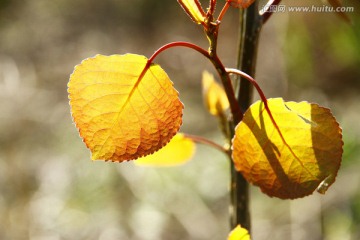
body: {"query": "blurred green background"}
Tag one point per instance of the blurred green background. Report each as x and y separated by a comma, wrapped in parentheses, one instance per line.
(51, 190)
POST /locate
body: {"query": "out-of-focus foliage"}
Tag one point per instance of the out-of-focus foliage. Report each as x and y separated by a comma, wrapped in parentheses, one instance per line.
(178, 151)
(214, 95)
(50, 190)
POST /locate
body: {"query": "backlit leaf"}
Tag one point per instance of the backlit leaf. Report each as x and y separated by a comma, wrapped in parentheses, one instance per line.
(120, 115)
(193, 9)
(306, 158)
(239, 233)
(178, 151)
(214, 96)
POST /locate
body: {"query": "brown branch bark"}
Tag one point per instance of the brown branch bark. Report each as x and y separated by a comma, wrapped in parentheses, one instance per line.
(250, 27)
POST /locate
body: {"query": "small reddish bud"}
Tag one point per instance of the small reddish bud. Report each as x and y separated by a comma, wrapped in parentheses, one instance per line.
(240, 3)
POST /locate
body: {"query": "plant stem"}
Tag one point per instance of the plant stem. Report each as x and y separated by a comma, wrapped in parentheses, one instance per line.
(250, 26)
(251, 23)
(212, 56)
(229, 90)
(178, 44)
(202, 140)
(223, 11)
(267, 11)
(262, 96)
(250, 79)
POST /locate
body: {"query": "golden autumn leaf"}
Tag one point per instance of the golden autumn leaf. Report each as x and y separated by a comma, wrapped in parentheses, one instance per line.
(239, 233)
(178, 151)
(193, 9)
(305, 156)
(123, 113)
(214, 96)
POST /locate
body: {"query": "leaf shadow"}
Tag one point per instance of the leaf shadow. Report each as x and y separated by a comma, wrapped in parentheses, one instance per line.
(323, 145)
(307, 180)
(322, 123)
(271, 152)
(281, 185)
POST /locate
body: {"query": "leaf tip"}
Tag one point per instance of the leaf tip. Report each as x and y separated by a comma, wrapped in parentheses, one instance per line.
(325, 184)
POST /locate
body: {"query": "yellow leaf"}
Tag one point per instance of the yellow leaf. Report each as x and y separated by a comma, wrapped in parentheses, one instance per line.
(120, 114)
(214, 96)
(239, 233)
(305, 156)
(178, 151)
(193, 9)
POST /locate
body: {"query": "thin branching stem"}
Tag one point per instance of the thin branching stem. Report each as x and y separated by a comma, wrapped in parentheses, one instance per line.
(167, 46)
(250, 79)
(178, 44)
(228, 87)
(202, 140)
(262, 96)
(212, 6)
(223, 11)
(212, 56)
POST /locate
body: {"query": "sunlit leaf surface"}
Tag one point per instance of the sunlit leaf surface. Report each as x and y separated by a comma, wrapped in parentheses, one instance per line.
(120, 115)
(178, 151)
(193, 9)
(239, 233)
(306, 158)
(214, 96)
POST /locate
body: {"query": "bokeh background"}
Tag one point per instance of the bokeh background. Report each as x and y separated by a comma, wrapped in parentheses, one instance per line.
(51, 190)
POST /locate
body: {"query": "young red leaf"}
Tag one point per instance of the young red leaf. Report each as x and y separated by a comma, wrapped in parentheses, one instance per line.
(241, 3)
(305, 156)
(122, 112)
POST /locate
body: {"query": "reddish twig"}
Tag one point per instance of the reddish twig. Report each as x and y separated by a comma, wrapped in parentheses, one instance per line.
(202, 140)
(223, 11)
(262, 96)
(179, 44)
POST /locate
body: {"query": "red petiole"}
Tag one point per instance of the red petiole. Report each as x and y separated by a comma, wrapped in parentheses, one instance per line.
(170, 45)
(223, 11)
(262, 96)
(202, 140)
(236, 112)
(179, 44)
